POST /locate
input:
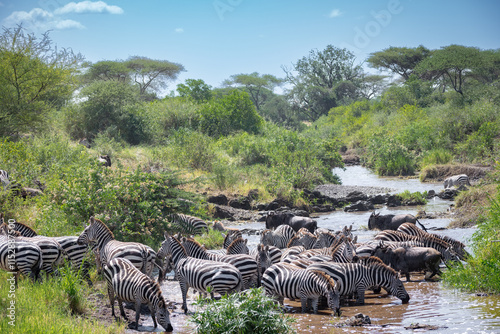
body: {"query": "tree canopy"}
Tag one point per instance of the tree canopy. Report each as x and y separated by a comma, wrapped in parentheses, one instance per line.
(399, 60)
(196, 90)
(255, 85)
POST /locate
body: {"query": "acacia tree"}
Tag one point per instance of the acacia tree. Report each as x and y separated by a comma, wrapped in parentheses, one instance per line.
(323, 80)
(399, 60)
(35, 77)
(196, 90)
(255, 84)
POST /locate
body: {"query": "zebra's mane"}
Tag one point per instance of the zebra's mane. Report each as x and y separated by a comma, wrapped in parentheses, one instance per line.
(99, 222)
(325, 276)
(25, 226)
(235, 243)
(192, 241)
(5, 230)
(292, 240)
(374, 261)
(174, 239)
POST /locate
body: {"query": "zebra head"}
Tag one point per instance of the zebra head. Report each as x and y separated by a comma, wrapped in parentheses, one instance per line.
(163, 316)
(89, 233)
(266, 237)
(397, 289)
(165, 249)
(263, 259)
(333, 297)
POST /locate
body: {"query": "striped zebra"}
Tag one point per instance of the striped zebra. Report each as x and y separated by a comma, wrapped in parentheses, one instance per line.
(395, 239)
(274, 253)
(230, 236)
(285, 281)
(456, 181)
(343, 251)
(456, 245)
(142, 257)
(75, 253)
(355, 278)
(4, 178)
(238, 246)
(278, 238)
(291, 252)
(303, 238)
(246, 264)
(127, 283)
(202, 275)
(189, 224)
(18, 256)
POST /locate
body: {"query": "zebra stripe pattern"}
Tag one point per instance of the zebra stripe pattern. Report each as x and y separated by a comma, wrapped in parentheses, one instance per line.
(355, 278)
(274, 253)
(303, 238)
(246, 264)
(456, 245)
(127, 283)
(199, 274)
(231, 236)
(286, 281)
(278, 238)
(4, 177)
(238, 246)
(456, 181)
(142, 257)
(189, 224)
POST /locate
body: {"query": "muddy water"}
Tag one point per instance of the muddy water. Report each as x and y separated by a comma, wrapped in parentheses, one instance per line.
(431, 303)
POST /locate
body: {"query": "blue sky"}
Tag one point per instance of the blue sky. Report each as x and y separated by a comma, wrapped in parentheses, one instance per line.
(214, 39)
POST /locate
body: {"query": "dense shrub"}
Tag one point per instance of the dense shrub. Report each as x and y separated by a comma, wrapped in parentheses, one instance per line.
(248, 312)
(389, 157)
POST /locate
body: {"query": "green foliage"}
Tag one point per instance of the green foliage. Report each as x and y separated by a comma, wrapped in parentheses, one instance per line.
(480, 145)
(249, 312)
(229, 114)
(191, 149)
(197, 90)
(399, 60)
(45, 308)
(481, 273)
(437, 156)
(35, 77)
(415, 198)
(389, 157)
(259, 87)
(211, 240)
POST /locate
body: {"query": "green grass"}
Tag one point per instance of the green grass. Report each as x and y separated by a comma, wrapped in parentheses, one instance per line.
(45, 308)
(211, 240)
(415, 198)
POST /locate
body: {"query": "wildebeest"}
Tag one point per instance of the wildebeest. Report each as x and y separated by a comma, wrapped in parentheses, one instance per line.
(390, 222)
(456, 180)
(274, 220)
(407, 259)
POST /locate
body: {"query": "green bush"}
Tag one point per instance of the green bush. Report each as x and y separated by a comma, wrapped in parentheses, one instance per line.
(248, 312)
(389, 157)
(480, 145)
(211, 240)
(415, 198)
(438, 156)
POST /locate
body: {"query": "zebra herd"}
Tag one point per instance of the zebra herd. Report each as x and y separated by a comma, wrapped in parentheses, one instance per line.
(296, 265)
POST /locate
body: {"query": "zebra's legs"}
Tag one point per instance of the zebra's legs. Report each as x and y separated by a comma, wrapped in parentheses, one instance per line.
(153, 314)
(111, 295)
(361, 296)
(122, 310)
(184, 295)
(138, 313)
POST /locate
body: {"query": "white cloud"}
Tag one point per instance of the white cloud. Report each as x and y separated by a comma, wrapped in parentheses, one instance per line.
(39, 19)
(88, 7)
(335, 13)
(179, 30)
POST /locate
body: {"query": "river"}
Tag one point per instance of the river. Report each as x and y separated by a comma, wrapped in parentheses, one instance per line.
(431, 303)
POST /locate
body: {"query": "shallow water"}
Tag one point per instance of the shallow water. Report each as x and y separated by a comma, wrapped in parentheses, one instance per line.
(431, 303)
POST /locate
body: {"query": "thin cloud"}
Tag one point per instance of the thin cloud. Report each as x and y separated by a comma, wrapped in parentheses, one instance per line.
(89, 7)
(179, 30)
(39, 19)
(335, 13)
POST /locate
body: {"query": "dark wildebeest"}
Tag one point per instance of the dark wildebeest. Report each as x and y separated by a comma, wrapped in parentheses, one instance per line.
(407, 259)
(274, 220)
(390, 222)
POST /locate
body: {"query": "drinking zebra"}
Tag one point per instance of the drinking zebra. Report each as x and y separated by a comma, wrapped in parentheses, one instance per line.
(127, 283)
(189, 224)
(355, 278)
(4, 178)
(246, 264)
(202, 275)
(285, 281)
(456, 245)
(456, 181)
(279, 237)
(142, 257)
(231, 236)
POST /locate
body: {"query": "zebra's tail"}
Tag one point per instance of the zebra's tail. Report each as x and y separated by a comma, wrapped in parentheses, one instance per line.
(423, 227)
(37, 269)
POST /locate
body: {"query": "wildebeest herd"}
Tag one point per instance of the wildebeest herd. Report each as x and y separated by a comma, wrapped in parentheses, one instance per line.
(307, 264)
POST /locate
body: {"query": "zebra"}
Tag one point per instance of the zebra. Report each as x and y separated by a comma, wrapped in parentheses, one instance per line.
(238, 246)
(189, 224)
(456, 181)
(279, 237)
(343, 251)
(355, 278)
(456, 245)
(230, 236)
(142, 257)
(274, 253)
(18, 256)
(246, 264)
(285, 281)
(4, 178)
(303, 238)
(128, 284)
(52, 252)
(75, 253)
(202, 275)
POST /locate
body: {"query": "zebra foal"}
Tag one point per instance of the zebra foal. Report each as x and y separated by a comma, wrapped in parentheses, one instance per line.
(127, 283)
